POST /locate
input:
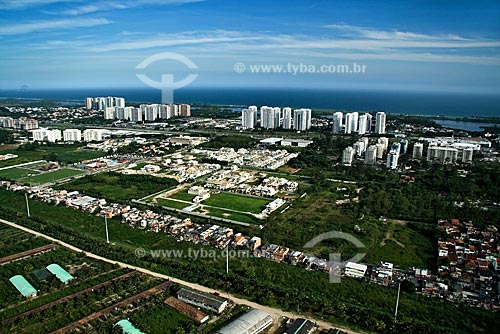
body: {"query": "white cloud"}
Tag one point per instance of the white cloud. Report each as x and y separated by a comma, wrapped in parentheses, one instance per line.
(411, 47)
(117, 5)
(170, 40)
(22, 4)
(25, 28)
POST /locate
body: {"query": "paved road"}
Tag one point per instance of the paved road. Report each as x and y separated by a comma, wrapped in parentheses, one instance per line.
(276, 313)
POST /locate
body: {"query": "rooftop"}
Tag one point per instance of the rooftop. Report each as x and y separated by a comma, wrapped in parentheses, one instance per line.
(128, 327)
(206, 298)
(22, 285)
(60, 273)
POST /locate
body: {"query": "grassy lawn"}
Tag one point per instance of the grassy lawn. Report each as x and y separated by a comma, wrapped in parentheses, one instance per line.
(183, 196)
(15, 173)
(172, 204)
(237, 202)
(241, 217)
(139, 166)
(66, 153)
(51, 176)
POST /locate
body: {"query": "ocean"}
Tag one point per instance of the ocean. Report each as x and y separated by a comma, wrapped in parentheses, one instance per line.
(412, 103)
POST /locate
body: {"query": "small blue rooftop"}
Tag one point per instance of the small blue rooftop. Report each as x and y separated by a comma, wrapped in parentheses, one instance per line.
(128, 327)
(23, 286)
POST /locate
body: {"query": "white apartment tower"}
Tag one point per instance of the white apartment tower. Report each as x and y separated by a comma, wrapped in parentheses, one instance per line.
(418, 151)
(351, 122)
(277, 117)
(371, 155)
(109, 113)
(47, 135)
(136, 115)
(380, 123)
(369, 119)
(72, 135)
(302, 119)
(248, 118)
(92, 135)
(267, 117)
(348, 155)
(119, 102)
(287, 118)
(89, 103)
(337, 122)
(363, 121)
(392, 159)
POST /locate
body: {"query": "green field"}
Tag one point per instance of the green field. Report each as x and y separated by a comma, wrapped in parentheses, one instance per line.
(241, 217)
(237, 202)
(51, 176)
(15, 173)
(65, 154)
(183, 196)
(120, 187)
(172, 204)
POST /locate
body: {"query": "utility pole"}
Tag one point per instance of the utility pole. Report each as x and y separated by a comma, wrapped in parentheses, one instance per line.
(106, 222)
(27, 205)
(397, 304)
(227, 259)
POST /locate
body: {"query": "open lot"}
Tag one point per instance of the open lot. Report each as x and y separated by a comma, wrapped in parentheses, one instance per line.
(237, 202)
(404, 244)
(16, 173)
(172, 204)
(64, 153)
(119, 187)
(51, 176)
(221, 213)
(183, 196)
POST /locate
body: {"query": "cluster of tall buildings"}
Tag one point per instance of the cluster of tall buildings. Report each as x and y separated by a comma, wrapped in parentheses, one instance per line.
(101, 103)
(358, 123)
(438, 152)
(275, 117)
(148, 112)
(375, 151)
(22, 123)
(68, 135)
(443, 154)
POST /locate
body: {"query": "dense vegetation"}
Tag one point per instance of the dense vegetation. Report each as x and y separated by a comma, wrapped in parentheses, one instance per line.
(213, 112)
(117, 187)
(13, 241)
(233, 141)
(6, 137)
(357, 303)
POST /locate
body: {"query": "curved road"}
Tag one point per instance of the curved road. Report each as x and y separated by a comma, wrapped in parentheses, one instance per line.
(276, 313)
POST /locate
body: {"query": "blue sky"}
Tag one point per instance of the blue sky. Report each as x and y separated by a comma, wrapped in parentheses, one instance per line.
(405, 45)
